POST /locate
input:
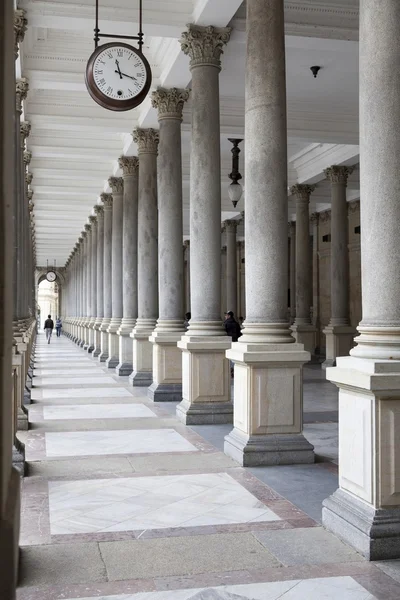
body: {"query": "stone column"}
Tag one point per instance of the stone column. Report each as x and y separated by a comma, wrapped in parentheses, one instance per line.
(107, 200)
(231, 265)
(339, 334)
(82, 336)
(205, 371)
(292, 269)
(167, 357)
(147, 141)
(186, 245)
(99, 280)
(315, 277)
(87, 287)
(79, 290)
(117, 186)
(268, 362)
(303, 329)
(93, 282)
(365, 510)
(130, 169)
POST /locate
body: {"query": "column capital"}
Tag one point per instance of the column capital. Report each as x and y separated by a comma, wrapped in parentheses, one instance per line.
(204, 45)
(24, 129)
(231, 225)
(186, 243)
(88, 227)
(92, 220)
(338, 174)
(20, 27)
(83, 235)
(107, 200)
(314, 218)
(129, 165)
(302, 192)
(99, 210)
(28, 177)
(29, 195)
(27, 157)
(116, 184)
(169, 102)
(21, 92)
(147, 140)
(325, 216)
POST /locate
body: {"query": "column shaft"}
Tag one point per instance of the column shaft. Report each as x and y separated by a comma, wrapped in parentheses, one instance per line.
(117, 186)
(99, 280)
(231, 266)
(107, 270)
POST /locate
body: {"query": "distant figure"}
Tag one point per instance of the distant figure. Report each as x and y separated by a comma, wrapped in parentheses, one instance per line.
(58, 326)
(241, 322)
(48, 327)
(186, 322)
(232, 327)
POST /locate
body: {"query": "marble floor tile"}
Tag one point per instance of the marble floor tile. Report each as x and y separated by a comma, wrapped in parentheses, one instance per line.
(97, 411)
(329, 588)
(98, 378)
(152, 503)
(81, 392)
(96, 443)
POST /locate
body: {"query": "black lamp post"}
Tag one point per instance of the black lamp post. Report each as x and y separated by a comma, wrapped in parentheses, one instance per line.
(235, 190)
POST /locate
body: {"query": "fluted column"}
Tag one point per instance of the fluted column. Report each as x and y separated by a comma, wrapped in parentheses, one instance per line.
(130, 171)
(267, 397)
(117, 187)
(87, 289)
(92, 283)
(79, 292)
(205, 371)
(147, 142)
(84, 263)
(315, 277)
(303, 329)
(167, 357)
(339, 334)
(99, 210)
(365, 510)
(231, 265)
(107, 200)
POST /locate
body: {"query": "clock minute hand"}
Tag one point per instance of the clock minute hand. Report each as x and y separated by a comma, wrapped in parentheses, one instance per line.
(126, 75)
(119, 70)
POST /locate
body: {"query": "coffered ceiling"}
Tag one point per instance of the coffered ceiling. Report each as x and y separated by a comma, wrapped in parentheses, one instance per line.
(75, 143)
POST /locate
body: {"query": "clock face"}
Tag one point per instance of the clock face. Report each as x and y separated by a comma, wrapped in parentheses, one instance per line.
(118, 76)
(51, 276)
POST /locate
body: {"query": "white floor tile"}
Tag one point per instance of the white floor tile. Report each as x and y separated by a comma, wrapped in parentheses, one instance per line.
(97, 411)
(84, 392)
(99, 379)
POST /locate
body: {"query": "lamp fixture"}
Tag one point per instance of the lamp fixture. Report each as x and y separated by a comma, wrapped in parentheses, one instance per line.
(235, 190)
(315, 70)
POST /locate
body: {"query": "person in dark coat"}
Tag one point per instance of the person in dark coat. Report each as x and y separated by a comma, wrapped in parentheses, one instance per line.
(232, 327)
(48, 327)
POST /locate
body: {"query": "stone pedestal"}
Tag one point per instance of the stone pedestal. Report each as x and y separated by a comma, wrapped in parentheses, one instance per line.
(339, 342)
(113, 343)
(365, 510)
(125, 348)
(268, 405)
(142, 354)
(104, 351)
(167, 367)
(205, 390)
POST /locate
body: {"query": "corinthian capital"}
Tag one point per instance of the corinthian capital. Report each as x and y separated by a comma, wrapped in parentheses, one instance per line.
(28, 178)
(169, 102)
(205, 45)
(129, 165)
(21, 91)
(231, 225)
(25, 129)
(92, 220)
(147, 140)
(20, 26)
(336, 174)
(302, 192)
(27, 157)
(88, 227)
(107, 200)
(116, 184)
(99, 210)
(29, 195)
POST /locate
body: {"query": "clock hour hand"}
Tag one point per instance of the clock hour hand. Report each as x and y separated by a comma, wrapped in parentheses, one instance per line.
(119, 70)
(125, 75)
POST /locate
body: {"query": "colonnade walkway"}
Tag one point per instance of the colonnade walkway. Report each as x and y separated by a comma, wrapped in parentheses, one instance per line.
(123, 502)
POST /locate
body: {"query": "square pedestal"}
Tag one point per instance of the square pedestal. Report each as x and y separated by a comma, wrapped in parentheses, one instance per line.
(142, 374)
(339, 342)
(96, 343)
(268, 405)
(125, 348)
(167, 367)
(113, 350)
(306, 335)
(205, 381)
(365, 511)
(103, 356)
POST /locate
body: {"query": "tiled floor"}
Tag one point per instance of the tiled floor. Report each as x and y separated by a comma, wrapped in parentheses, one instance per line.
(123, 502)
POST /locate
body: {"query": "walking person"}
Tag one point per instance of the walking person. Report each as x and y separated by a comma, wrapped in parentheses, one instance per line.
(58, 326)
(48, 327)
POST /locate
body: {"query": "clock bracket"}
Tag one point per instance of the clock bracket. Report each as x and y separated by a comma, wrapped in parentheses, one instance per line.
(139, 36)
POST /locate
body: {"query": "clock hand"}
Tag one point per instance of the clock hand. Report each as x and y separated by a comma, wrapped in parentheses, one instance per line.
(119, 70)
(125, 75)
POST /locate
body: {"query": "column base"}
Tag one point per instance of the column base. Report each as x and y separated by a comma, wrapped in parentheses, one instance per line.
(205, 381)
(267, 450)
(96, 352)
(268, 405)
(305, 334)
(141, 378)
(375, 533)
(124, 369)
(113, 347)
(165, 392)
(102, 357)
(18, 458)
(104, 353)
(142, 374)
(339, 342)
(112, 362)
(22, 420)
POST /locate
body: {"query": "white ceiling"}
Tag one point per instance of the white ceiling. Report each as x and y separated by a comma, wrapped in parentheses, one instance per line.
(75, 144)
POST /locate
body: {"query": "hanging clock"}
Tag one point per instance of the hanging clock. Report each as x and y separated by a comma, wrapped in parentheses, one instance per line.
(51, 276)
(118, 76)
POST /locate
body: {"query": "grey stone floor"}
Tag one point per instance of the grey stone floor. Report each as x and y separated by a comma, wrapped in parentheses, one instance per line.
(107, 518)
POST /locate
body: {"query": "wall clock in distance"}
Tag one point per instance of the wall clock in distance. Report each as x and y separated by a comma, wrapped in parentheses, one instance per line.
(51, 276)
(118, 76)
